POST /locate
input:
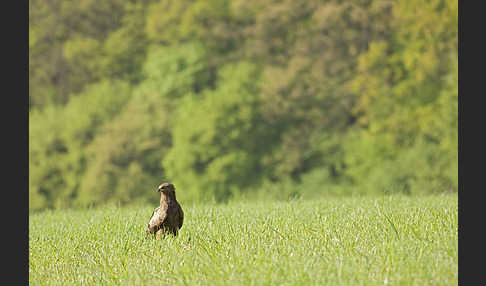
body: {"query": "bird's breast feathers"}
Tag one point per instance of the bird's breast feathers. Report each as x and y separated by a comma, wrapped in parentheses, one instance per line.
(157, 217)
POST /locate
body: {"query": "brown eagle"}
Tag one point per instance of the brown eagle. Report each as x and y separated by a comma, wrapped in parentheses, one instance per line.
(168, 217)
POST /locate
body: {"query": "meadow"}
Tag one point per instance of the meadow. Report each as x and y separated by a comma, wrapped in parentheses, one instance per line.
(388, 240)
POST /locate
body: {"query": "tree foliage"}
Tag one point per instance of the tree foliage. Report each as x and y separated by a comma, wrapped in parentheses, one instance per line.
(239, 99)
(408, 101)
(217, 137)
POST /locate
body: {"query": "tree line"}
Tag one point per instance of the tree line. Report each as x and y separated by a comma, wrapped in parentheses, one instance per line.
(269, 99)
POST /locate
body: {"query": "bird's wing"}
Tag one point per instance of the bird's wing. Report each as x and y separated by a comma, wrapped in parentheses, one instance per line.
(157, 218)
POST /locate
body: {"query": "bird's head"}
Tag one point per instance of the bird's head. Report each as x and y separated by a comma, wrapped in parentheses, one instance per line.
(167, 189)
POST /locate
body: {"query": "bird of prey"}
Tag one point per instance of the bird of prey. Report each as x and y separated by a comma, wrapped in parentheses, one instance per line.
(168, 217)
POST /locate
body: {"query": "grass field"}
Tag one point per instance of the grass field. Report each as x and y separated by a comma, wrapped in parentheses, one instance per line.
(343, 241)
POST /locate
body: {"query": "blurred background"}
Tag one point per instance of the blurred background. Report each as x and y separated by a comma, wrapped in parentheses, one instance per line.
(240, 100)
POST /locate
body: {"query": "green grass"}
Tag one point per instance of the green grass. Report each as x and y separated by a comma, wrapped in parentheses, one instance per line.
(343, 241)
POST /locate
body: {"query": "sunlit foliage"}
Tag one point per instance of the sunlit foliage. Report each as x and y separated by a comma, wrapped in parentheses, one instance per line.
(233, 99)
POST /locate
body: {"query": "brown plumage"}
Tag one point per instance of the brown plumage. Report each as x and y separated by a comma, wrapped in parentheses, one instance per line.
(168, 217)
